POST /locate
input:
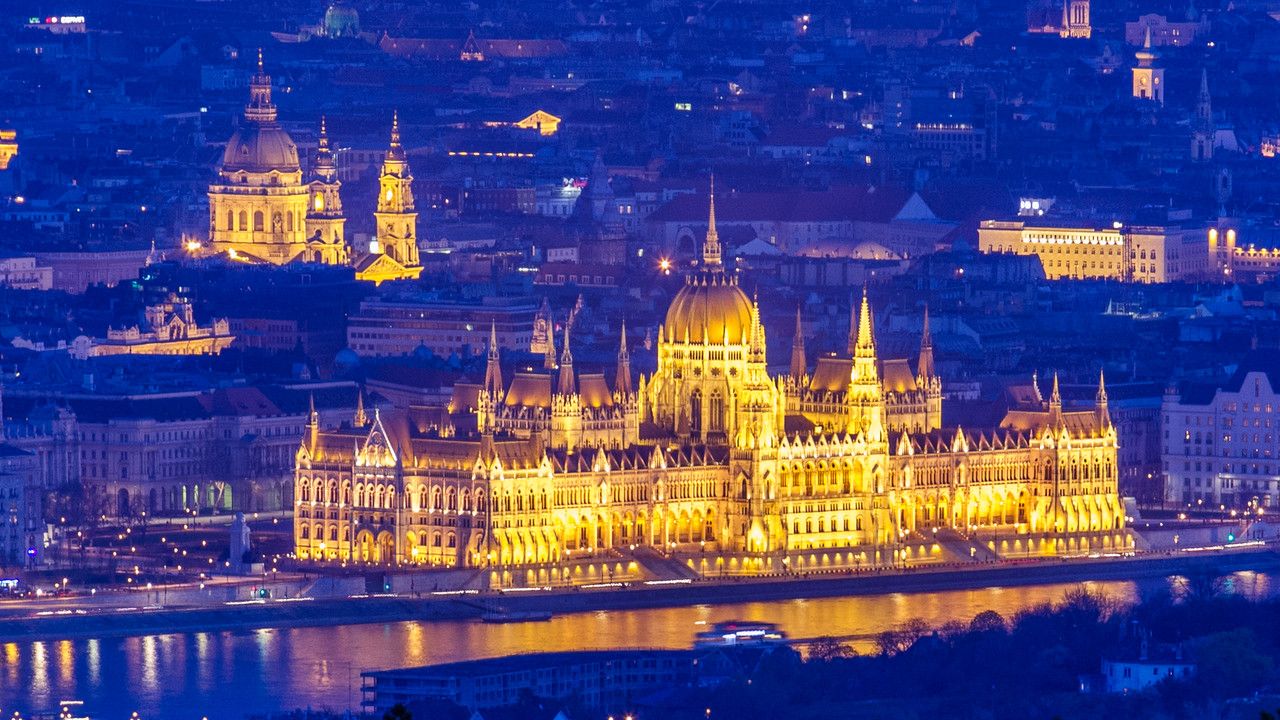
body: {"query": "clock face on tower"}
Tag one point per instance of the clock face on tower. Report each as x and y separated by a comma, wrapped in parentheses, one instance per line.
(390, 194)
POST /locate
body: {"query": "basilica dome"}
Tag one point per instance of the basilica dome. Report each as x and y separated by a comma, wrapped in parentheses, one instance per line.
(341, 20)
(709, 307)
(261, 148)
(260, 145)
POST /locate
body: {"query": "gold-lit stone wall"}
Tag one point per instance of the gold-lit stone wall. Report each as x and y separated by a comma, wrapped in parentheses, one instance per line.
(709, 456)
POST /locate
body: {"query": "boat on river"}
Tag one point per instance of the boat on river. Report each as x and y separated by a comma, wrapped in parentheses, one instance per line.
(738, 633)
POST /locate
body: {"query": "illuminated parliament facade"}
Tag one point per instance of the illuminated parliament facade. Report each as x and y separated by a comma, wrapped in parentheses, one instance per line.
(263, 210)
(709, 455)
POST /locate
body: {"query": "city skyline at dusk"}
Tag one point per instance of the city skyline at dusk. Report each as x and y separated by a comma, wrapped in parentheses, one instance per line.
(581, 359)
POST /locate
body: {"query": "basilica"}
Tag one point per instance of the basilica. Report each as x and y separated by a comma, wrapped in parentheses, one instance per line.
(263, 210)
(710, 456)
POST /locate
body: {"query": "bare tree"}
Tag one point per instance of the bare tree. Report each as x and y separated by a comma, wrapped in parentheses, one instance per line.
(827, 649)
(988, 621)
(892, 642)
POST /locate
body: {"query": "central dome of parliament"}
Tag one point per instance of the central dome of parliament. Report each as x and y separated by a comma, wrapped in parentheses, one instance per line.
(710, 307)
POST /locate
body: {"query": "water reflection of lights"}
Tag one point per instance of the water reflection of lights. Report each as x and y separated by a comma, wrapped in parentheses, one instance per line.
(322, 665)
(66, 661)
(39, 669)
(94, 651)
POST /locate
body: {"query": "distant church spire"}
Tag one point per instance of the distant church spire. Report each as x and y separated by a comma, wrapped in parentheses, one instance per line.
(260, 109)
(1203, 131)
(925, 367)
(757, 344)
(324, 165)
(395, 151)
(622, 383)
(1055, 401)
(798, 362)
(313, 420)
(361, 419)
(493, 369)
(549, 355)
(711, 247)
(1104, 413)
(864, 351)
(566, 385)
(866, 342)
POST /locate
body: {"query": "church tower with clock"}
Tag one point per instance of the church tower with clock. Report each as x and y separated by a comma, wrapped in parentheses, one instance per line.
(393, 254)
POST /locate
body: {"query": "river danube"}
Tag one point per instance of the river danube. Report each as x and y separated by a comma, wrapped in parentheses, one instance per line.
(227, 675)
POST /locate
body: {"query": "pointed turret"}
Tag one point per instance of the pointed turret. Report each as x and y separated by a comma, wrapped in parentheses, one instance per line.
(395, 215)
(1055, 402)
(260, 108)
(757, 345)
(865, 344)
(925, 367)
(1148, 79)
(324, 166)
(566, 385)
(622, 383)
(1035, 387)
(865, 393)
(1204, 102)
(313, 421)
(395, 151)
(1104, 412)
(1203, 131)
(597, 201)
(325, 223)
(549, 356)
(711, 246)
(798, 361)
(493, 370)
(1146, 56)
(361, 419)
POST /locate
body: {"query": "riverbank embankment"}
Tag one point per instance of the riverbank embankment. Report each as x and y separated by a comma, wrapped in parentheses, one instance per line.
(428, 607)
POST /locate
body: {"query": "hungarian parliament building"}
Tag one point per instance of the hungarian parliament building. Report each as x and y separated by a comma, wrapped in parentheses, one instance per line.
(708, 457)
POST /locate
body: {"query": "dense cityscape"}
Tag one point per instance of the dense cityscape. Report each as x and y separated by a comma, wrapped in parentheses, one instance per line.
(577, 359)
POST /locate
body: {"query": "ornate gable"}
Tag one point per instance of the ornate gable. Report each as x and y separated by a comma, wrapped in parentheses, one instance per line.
(377, 450)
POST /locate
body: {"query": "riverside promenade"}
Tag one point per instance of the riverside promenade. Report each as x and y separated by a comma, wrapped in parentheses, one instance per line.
(63, 621)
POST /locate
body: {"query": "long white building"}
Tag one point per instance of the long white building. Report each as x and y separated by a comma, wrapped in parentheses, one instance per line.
(1221, 444)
